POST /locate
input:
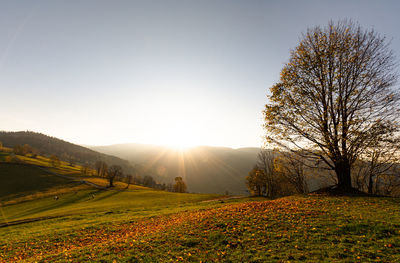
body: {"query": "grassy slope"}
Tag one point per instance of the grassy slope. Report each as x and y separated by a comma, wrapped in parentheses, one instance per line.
(308, 229)
(35, 180)
(19, 180)
(28, 192)
(147, 225)
(32, 190)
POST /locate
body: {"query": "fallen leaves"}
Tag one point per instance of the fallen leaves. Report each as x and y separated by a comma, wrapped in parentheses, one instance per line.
(303, 228)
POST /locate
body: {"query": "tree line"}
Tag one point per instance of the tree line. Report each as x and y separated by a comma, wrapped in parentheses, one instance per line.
(115, 173)
(285, 173)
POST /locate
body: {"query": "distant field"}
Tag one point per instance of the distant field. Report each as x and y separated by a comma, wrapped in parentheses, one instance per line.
(117, 185)
(63, 168)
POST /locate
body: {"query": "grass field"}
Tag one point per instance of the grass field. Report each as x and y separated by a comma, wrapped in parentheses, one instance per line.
(28, 206)
(302, 228)
(145, 225)
(20, 181)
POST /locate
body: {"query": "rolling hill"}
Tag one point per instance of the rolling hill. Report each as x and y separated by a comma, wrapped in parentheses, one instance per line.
(205, 169)
(39, 202)
(20, 180)
(29, 188)
(48, 145)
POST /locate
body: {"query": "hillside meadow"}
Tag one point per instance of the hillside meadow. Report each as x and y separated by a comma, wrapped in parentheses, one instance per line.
(89, 222)
(297, 228)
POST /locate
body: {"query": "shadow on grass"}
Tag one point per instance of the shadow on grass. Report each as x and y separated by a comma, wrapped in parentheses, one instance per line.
(106, 195)
(55, 204)
(21, 180)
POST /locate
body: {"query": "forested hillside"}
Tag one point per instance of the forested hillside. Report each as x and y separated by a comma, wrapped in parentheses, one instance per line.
(47, 145)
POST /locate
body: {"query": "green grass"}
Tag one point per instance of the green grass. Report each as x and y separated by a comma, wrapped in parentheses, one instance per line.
(42, 161)
(75, 212)
(64, 168)
(180, 228)
(93, 202)
(27, 194)
(145, 225)
(33, 179)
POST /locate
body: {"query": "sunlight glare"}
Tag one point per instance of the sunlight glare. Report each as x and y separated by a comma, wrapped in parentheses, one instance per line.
(180, 138)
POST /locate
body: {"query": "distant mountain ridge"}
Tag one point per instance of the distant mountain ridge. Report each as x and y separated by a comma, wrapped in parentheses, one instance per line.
(205, 169)
(48, 145)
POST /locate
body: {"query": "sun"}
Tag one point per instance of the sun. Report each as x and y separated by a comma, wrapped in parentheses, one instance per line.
(180, 137)
(180, 141)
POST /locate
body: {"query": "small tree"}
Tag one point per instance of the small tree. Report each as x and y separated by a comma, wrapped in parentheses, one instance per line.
(23, 149)
(54, 161)
(129, 180)
(179, 186)
(34, 152)
(265, 163)
(71, 161)
(85, 169)
(291, 166)
(18, 149)
(275, 175)
(388, 184)
(101, 168)
(378, 160)
(114, 172)
(256, 182)
(27, 149)
(137, 179)
(148, 181)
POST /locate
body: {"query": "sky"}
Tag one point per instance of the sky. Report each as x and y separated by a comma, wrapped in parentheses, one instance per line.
(177, 73)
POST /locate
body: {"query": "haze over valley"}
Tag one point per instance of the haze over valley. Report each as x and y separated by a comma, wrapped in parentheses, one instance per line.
(206, 169)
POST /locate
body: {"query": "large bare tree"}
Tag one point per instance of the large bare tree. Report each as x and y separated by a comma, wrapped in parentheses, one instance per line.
(336, 97)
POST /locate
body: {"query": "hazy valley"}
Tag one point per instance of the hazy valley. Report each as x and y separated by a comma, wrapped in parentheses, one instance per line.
(205, 169)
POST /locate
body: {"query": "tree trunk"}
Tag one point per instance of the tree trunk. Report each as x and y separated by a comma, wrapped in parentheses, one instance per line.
(370, 184)
(111, 182)
(258, 190)
(343, 174)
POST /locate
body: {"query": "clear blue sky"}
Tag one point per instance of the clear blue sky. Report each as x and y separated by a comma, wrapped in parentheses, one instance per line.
(162, 72)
